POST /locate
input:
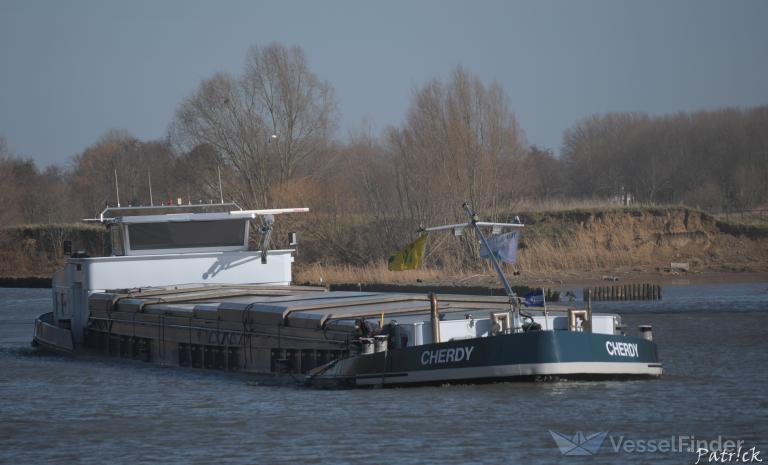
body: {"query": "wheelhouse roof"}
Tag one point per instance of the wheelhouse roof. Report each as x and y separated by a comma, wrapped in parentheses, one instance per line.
(185, 213)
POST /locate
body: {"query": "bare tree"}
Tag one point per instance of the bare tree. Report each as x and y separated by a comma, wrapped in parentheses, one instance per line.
(461, 143)
(135, 162)
(5, 152)
(263, 124)
(712, 159)
(299, 108)
(595, 150)
(10, 193)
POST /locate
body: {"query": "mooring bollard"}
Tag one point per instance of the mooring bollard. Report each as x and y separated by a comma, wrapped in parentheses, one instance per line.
(646, 331)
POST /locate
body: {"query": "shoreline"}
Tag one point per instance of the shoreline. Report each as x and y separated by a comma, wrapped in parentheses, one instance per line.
(664, 279)
(575, 280)
(26, 282)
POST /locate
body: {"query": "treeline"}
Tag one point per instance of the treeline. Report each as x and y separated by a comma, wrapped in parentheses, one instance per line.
(268, 134)
(715, 160)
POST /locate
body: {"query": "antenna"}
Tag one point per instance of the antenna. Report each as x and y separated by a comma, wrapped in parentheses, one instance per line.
(149, 175)
(117, 189)
(221, 191)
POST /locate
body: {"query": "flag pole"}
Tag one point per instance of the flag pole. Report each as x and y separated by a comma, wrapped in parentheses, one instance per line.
(546, 317)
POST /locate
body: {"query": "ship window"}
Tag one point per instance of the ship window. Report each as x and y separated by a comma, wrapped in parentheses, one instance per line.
(116, 236)
(189, 234)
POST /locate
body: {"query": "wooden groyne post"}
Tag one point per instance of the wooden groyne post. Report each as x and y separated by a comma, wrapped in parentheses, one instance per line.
(624, 292)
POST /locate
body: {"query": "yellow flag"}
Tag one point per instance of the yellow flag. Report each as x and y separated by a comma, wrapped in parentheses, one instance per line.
(410, 257)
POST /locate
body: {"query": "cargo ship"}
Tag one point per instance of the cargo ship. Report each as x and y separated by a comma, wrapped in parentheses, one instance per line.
(182, 288)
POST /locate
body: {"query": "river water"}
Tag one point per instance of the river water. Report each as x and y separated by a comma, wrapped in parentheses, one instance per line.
(713, 341)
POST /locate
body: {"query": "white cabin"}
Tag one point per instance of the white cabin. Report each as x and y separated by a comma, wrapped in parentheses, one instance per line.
(167, 250)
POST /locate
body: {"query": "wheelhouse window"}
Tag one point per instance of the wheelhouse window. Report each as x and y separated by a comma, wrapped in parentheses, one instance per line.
(187, 235)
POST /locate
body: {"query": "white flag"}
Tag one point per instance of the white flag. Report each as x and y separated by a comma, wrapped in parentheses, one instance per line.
(503, 246)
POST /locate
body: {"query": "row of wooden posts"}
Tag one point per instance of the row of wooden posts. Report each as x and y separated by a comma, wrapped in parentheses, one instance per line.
(623, 292)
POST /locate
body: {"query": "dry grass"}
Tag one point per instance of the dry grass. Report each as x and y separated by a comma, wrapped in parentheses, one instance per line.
(579, 252)
(550, 205)
(568, 250)
(317, 273)
(553, 244)
(750, 217)
(36, 249)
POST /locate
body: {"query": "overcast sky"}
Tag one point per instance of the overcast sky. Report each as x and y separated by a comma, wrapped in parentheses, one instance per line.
(71, 70)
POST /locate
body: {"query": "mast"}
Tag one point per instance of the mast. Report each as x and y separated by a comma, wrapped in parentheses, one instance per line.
(496, 266)
(476, 225)
(516, 324)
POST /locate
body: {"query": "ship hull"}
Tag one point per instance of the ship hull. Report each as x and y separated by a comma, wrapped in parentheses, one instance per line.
(51, 338)
(531, 356)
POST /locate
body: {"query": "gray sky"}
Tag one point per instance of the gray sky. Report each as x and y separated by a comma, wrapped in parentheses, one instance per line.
(70, 70)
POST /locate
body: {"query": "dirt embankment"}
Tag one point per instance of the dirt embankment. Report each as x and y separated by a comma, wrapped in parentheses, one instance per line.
(640, 240)
(38, 250)
(584, 246)
(558, 245)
